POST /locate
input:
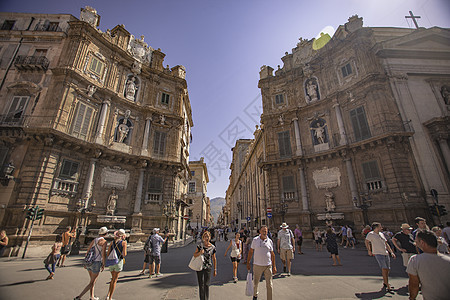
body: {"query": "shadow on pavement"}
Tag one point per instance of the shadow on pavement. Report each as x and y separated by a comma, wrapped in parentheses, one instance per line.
(22, 282)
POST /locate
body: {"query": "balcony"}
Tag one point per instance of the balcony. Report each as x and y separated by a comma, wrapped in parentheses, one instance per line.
(64, 187)
(23, 62)
(13, 120)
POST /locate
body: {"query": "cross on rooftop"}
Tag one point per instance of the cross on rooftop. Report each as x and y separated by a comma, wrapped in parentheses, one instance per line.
(413, 17)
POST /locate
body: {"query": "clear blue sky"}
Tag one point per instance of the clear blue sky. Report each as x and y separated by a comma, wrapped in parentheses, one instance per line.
(224, 43)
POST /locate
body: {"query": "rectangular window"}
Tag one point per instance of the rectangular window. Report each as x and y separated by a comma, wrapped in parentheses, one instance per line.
(69, 169)
(346, 70)
(3, 155)
(159, 143)
(372, 176)
(192, 173)
(40, 52)
(284, 144)
(191, 187)
(17, 109)
(359, 123)
(165, 98)
(288, 187)
(8, 24)
(96, 66)
(155, 188)
(82, 121)
(279, 99)
(53, 26)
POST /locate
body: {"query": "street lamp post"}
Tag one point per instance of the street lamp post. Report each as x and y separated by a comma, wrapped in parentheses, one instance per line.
(82, 209)
(197, 217)
(364, 205)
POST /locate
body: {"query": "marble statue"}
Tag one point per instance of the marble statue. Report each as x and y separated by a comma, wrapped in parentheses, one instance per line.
(123, 128)
(329, 201)
(319, 133)
(91, 89)
(131, 88)
(311, 90)
(112, 203)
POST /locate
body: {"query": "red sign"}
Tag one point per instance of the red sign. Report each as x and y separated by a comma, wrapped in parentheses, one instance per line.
(186, 217)
(269, 210)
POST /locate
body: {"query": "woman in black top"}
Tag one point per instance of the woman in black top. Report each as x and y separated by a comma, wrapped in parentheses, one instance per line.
(208, 251)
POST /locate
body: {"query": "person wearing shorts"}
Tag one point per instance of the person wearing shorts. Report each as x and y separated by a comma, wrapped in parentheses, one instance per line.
(98, 265)
(299, 238)
(378, 246)
(119, 244)
(286, 247)
(235, 255)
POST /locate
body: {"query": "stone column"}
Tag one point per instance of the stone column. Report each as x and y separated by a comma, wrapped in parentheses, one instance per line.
(303, 189)
(351, 178)
(298, 141)
(343, 139)
(148, 122)
(138, 200)
(101, 122)
(445, 151)
(87, 190)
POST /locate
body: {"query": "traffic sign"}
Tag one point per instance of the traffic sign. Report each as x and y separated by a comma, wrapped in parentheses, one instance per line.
(269, 215)
(248, 219)
(269, 210)
(186, 217)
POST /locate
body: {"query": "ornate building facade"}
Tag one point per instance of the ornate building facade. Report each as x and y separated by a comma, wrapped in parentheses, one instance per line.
(198, 201)
(96, 130)
(337, 141)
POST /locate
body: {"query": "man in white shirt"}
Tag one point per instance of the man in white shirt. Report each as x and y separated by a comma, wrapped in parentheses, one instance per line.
(263, 261)
(286, 247)
(431, 270)
(446, 233)
(378, 246)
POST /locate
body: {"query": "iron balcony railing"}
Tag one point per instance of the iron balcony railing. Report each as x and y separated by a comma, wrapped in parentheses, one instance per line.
(23, 62)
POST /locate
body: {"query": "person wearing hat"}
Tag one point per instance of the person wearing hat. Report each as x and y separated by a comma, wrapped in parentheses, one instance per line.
(286, 247)
(99, 244)
(119, 244)
(404, 242)
(153, 256)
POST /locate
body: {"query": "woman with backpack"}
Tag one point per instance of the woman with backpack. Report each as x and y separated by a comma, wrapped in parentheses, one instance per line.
(98, 264)
(119, 245)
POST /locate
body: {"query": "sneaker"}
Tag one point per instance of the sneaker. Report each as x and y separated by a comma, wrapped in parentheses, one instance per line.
(152, 275)
(235, 279)
(255, 298)
(95, 298)
(159, 274)
(289, 274)
(77, 298)
(142, 273)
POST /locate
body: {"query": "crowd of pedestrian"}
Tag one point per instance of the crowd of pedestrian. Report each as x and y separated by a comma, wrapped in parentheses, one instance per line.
(424, 252)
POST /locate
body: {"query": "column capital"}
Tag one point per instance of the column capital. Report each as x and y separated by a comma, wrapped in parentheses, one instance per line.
(107, 102)
(295, 119)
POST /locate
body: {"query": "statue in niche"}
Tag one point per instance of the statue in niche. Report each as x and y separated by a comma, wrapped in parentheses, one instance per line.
(112, 203)
(123, 128)
(329, 201)
(312, 89)
(91, 89)
(280, 120)
(131, 88)
(445, 94)
(319, 132)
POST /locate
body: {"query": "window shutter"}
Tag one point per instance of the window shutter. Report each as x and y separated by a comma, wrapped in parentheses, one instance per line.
(86, 122)
(288, 183)
(79, 118)
(284, 144)
(156, 142)
(359, 123)
(370, 170)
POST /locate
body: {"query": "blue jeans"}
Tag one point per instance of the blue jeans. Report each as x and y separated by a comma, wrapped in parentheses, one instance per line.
(52, 270)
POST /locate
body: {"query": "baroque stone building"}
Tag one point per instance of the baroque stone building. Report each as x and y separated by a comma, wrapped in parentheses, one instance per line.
(198, 201)
(95, 128)
(336, 142)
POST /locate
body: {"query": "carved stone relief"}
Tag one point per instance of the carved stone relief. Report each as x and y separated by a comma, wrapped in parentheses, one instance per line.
(327, 178)
(89, 15)
(140, 50)
(312, 90)
(114, 177)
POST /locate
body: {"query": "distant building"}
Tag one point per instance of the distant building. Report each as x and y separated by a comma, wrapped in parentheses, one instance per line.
(197, 190)
(95, 129)
(354, 132)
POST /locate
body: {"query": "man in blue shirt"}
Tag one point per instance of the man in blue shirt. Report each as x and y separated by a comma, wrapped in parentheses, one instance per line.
(154, 256)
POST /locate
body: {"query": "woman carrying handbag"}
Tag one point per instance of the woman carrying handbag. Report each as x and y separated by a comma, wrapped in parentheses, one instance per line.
(208, 251)
(98, 264)
(119, 245)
